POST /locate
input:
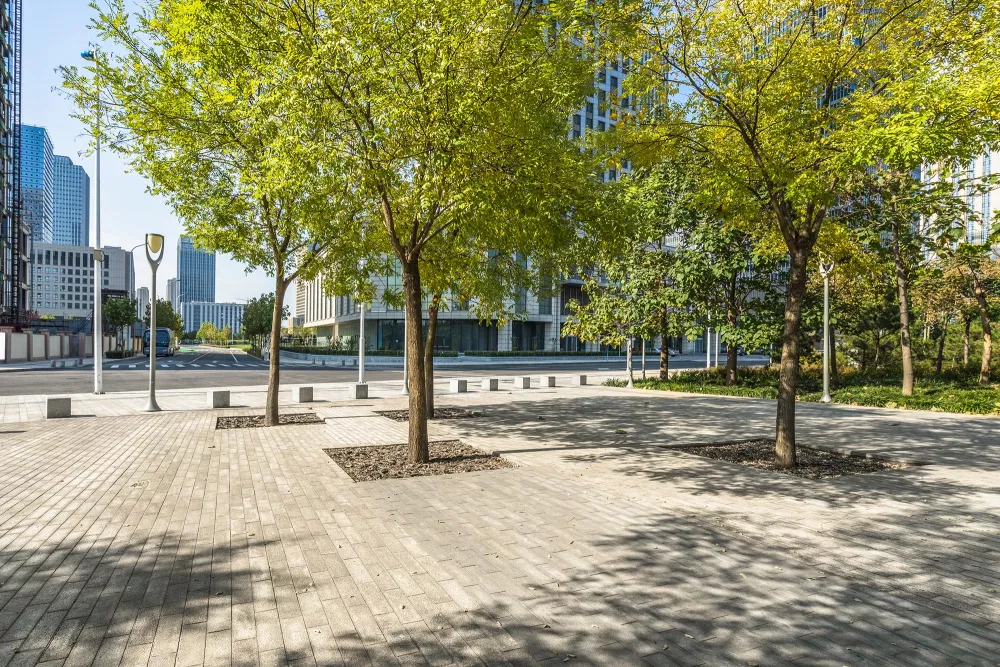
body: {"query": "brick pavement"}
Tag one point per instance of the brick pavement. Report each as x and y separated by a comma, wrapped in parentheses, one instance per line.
(157, 540)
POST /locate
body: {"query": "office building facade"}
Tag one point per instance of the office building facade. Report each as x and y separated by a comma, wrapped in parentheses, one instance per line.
(221, 315)
(141, 302)
(71, 203)
(195, 272)
(63, 281)
(174, 293)
(38, 182)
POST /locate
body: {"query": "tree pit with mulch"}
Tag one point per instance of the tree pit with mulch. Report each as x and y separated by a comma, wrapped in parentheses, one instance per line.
(439, 413)
(257, 421)
(366, 464)
(812, 463)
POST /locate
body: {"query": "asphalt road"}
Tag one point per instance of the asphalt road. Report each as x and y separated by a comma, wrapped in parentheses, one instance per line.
(191, 369)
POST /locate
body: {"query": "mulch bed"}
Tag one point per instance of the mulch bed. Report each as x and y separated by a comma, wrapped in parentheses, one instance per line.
(365, 464)
(439, 413)
(257, 421)
(812, 463)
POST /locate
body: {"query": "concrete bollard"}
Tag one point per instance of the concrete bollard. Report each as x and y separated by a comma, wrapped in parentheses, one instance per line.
(458, 386)
(547, 381)
(491, 384)
(58, 408)
(357, 391)
(522, 382)
(218, 398)
(302, 394)
(580, 380)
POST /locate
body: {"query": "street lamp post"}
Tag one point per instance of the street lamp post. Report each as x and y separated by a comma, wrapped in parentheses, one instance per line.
(154, 253)
(98, 255)
(825, 268)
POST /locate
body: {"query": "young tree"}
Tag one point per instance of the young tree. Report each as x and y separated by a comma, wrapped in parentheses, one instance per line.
(207, 332)
(257, 320)
(195, 97)
(120, 314)
(451, 119)
(789, 103)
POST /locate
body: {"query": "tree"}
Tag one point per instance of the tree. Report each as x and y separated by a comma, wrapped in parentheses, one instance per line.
(207, 332)
(257, 320)
(195, 96)
(120, 314)
(789, 104)
(976, 272)
(451, 121)
(166, 317)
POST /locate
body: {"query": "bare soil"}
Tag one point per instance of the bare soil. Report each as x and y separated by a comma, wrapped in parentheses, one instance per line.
(439, 413)
(812, 463)
(365, 464)
(257, 421)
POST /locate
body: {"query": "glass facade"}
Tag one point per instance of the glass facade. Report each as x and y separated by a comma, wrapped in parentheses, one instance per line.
(195, 272)
(451, 335)
(71, 203)
(38, 182)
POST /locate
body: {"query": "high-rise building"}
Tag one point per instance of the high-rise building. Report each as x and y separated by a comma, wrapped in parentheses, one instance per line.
(221, 315)
(195, 272)
(174, 293)
(37, 182)
(15, 255)
(71, 203)
(64, 278)
(142, 302)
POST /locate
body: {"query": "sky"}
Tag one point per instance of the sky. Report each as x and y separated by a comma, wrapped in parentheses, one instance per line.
(54, 34)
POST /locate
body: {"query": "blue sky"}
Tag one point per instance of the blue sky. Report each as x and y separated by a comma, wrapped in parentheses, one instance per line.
(54, 33)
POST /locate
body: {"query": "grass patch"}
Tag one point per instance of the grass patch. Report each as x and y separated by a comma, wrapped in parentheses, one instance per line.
(948, 392)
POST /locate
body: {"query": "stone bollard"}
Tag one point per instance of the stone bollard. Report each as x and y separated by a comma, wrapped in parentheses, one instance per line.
(547, 381)
(580, 380)
(357, 391)
(491, 384)
(58, 408)
(458, 386)
(522, 382)
(218, 398)
(302, 394)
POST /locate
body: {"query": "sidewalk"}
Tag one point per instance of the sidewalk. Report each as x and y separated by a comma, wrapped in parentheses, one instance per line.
(158, 540)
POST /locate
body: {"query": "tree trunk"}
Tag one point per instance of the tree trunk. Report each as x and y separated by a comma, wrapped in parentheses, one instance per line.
(984, 317)
(902, 289)
(965, 341)
(784, 447)
(415, 358)
(664, 346)
(432, 320)
(273, 380)
(940, 351)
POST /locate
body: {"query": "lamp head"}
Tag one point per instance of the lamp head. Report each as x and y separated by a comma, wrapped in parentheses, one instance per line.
(154, 248)
(154, 242)
(88, 55)
(98, 255)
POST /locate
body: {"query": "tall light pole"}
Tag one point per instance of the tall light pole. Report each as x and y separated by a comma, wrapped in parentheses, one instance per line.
(825, 268)
(98, 254)
(154, 253)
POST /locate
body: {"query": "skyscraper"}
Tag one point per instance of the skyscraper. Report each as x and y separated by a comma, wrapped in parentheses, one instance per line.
(14, 250)
(195, 272)
(142, 301)
(174, 293)
(37, 182)
(71, 204)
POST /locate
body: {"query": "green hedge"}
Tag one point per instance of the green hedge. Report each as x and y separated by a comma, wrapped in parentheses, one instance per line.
(948, 392)
(308, 349)
(538, 353)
